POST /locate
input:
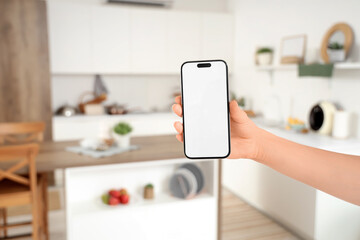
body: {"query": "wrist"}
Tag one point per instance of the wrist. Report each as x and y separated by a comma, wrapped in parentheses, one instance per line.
(263, 139)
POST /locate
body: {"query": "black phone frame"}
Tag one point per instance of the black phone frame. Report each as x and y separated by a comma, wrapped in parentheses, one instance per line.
(228, 110)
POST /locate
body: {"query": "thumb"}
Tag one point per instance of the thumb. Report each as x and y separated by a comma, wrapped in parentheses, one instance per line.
(236, 113)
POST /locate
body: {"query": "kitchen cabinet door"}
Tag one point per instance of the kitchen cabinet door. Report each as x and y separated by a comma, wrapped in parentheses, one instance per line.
(111, 39)
(217, 37)
(148, 38)
(69, 37)
(184, 39)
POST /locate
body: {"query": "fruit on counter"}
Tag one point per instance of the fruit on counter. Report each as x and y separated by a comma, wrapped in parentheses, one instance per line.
(114, 201)
(115, 197)
(124, 199)
(123, 191)
(296, 124)
(105, 198)
(114, 193)
(295, 121)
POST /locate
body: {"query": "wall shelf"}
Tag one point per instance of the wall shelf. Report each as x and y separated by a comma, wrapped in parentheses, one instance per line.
(291, 67)
(350, 66)
(95, 206)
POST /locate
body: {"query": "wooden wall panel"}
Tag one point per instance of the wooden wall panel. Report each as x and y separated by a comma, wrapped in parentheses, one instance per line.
(24, 63)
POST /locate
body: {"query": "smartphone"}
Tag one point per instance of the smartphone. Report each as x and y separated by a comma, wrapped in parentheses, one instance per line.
(205, 103)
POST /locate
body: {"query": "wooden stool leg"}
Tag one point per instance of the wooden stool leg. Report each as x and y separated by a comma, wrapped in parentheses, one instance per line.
(40, 210)
(35, 221)
(45, 205)
(4, 220)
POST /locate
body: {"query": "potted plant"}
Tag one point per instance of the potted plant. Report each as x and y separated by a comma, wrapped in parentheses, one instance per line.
(242, 102)
(121, 134)
(264, 56)
(149, 191)
(336, 52)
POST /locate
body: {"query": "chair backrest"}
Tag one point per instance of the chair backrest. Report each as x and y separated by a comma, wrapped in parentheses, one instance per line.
(21, 132)
(24, 156)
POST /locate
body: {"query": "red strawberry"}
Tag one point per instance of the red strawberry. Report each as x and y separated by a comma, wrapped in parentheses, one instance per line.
(123, 191)
(124, 199)
(113, 201)
(114, 193)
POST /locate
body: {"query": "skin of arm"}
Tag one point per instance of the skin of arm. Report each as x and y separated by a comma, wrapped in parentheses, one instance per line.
(334, 173)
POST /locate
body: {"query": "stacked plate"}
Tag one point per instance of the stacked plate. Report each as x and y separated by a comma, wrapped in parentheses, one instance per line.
(187, 181)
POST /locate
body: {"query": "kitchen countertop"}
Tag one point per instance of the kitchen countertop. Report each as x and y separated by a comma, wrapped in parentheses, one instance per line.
(350, 146)
(52, 155)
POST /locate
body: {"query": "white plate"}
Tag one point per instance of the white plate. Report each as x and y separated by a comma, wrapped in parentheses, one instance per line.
(192, 180)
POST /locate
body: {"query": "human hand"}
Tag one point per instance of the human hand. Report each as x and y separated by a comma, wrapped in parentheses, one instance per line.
(245, 135)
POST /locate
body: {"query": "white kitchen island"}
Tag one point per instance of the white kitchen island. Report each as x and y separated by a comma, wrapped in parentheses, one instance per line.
(163, 218)
(155, 162)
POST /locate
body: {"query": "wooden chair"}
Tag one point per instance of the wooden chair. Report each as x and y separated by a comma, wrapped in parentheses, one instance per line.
(18, 189)
(17, 133)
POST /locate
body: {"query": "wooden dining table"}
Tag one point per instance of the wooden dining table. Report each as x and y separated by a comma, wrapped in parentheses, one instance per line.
(53, 155)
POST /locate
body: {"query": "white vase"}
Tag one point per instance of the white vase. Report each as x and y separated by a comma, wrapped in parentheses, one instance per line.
(336, 55)
(123, 141)
(264, 58)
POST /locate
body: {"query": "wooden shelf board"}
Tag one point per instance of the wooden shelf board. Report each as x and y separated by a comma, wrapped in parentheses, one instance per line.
(96, 205)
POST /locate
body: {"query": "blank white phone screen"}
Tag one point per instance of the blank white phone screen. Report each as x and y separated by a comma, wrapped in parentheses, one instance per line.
(205, 109)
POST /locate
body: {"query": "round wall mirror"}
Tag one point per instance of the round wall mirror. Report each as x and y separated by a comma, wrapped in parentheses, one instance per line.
(337, 43)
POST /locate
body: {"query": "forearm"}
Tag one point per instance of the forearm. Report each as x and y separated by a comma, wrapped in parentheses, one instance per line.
(334, 173)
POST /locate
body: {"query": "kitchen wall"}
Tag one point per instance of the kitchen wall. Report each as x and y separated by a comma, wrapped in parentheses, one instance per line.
(264, 23)
(148, 92)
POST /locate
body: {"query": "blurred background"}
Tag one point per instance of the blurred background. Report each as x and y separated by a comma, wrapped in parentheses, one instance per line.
(102, 76)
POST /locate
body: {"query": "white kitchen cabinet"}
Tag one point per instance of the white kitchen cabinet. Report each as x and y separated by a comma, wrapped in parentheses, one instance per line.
(184, 39)
(107, 39)
(148, 38)
(110, 38)
(69, 37)
(217, 37)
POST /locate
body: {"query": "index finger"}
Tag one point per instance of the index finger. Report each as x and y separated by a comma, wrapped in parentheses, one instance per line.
(178, 100)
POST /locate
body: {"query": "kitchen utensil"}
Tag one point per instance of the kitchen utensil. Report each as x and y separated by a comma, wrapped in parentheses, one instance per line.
(94, 144)
(115, 109)
(321, 117)
(66, 111)
(95, 100)
(99, 86)
(94, 109)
